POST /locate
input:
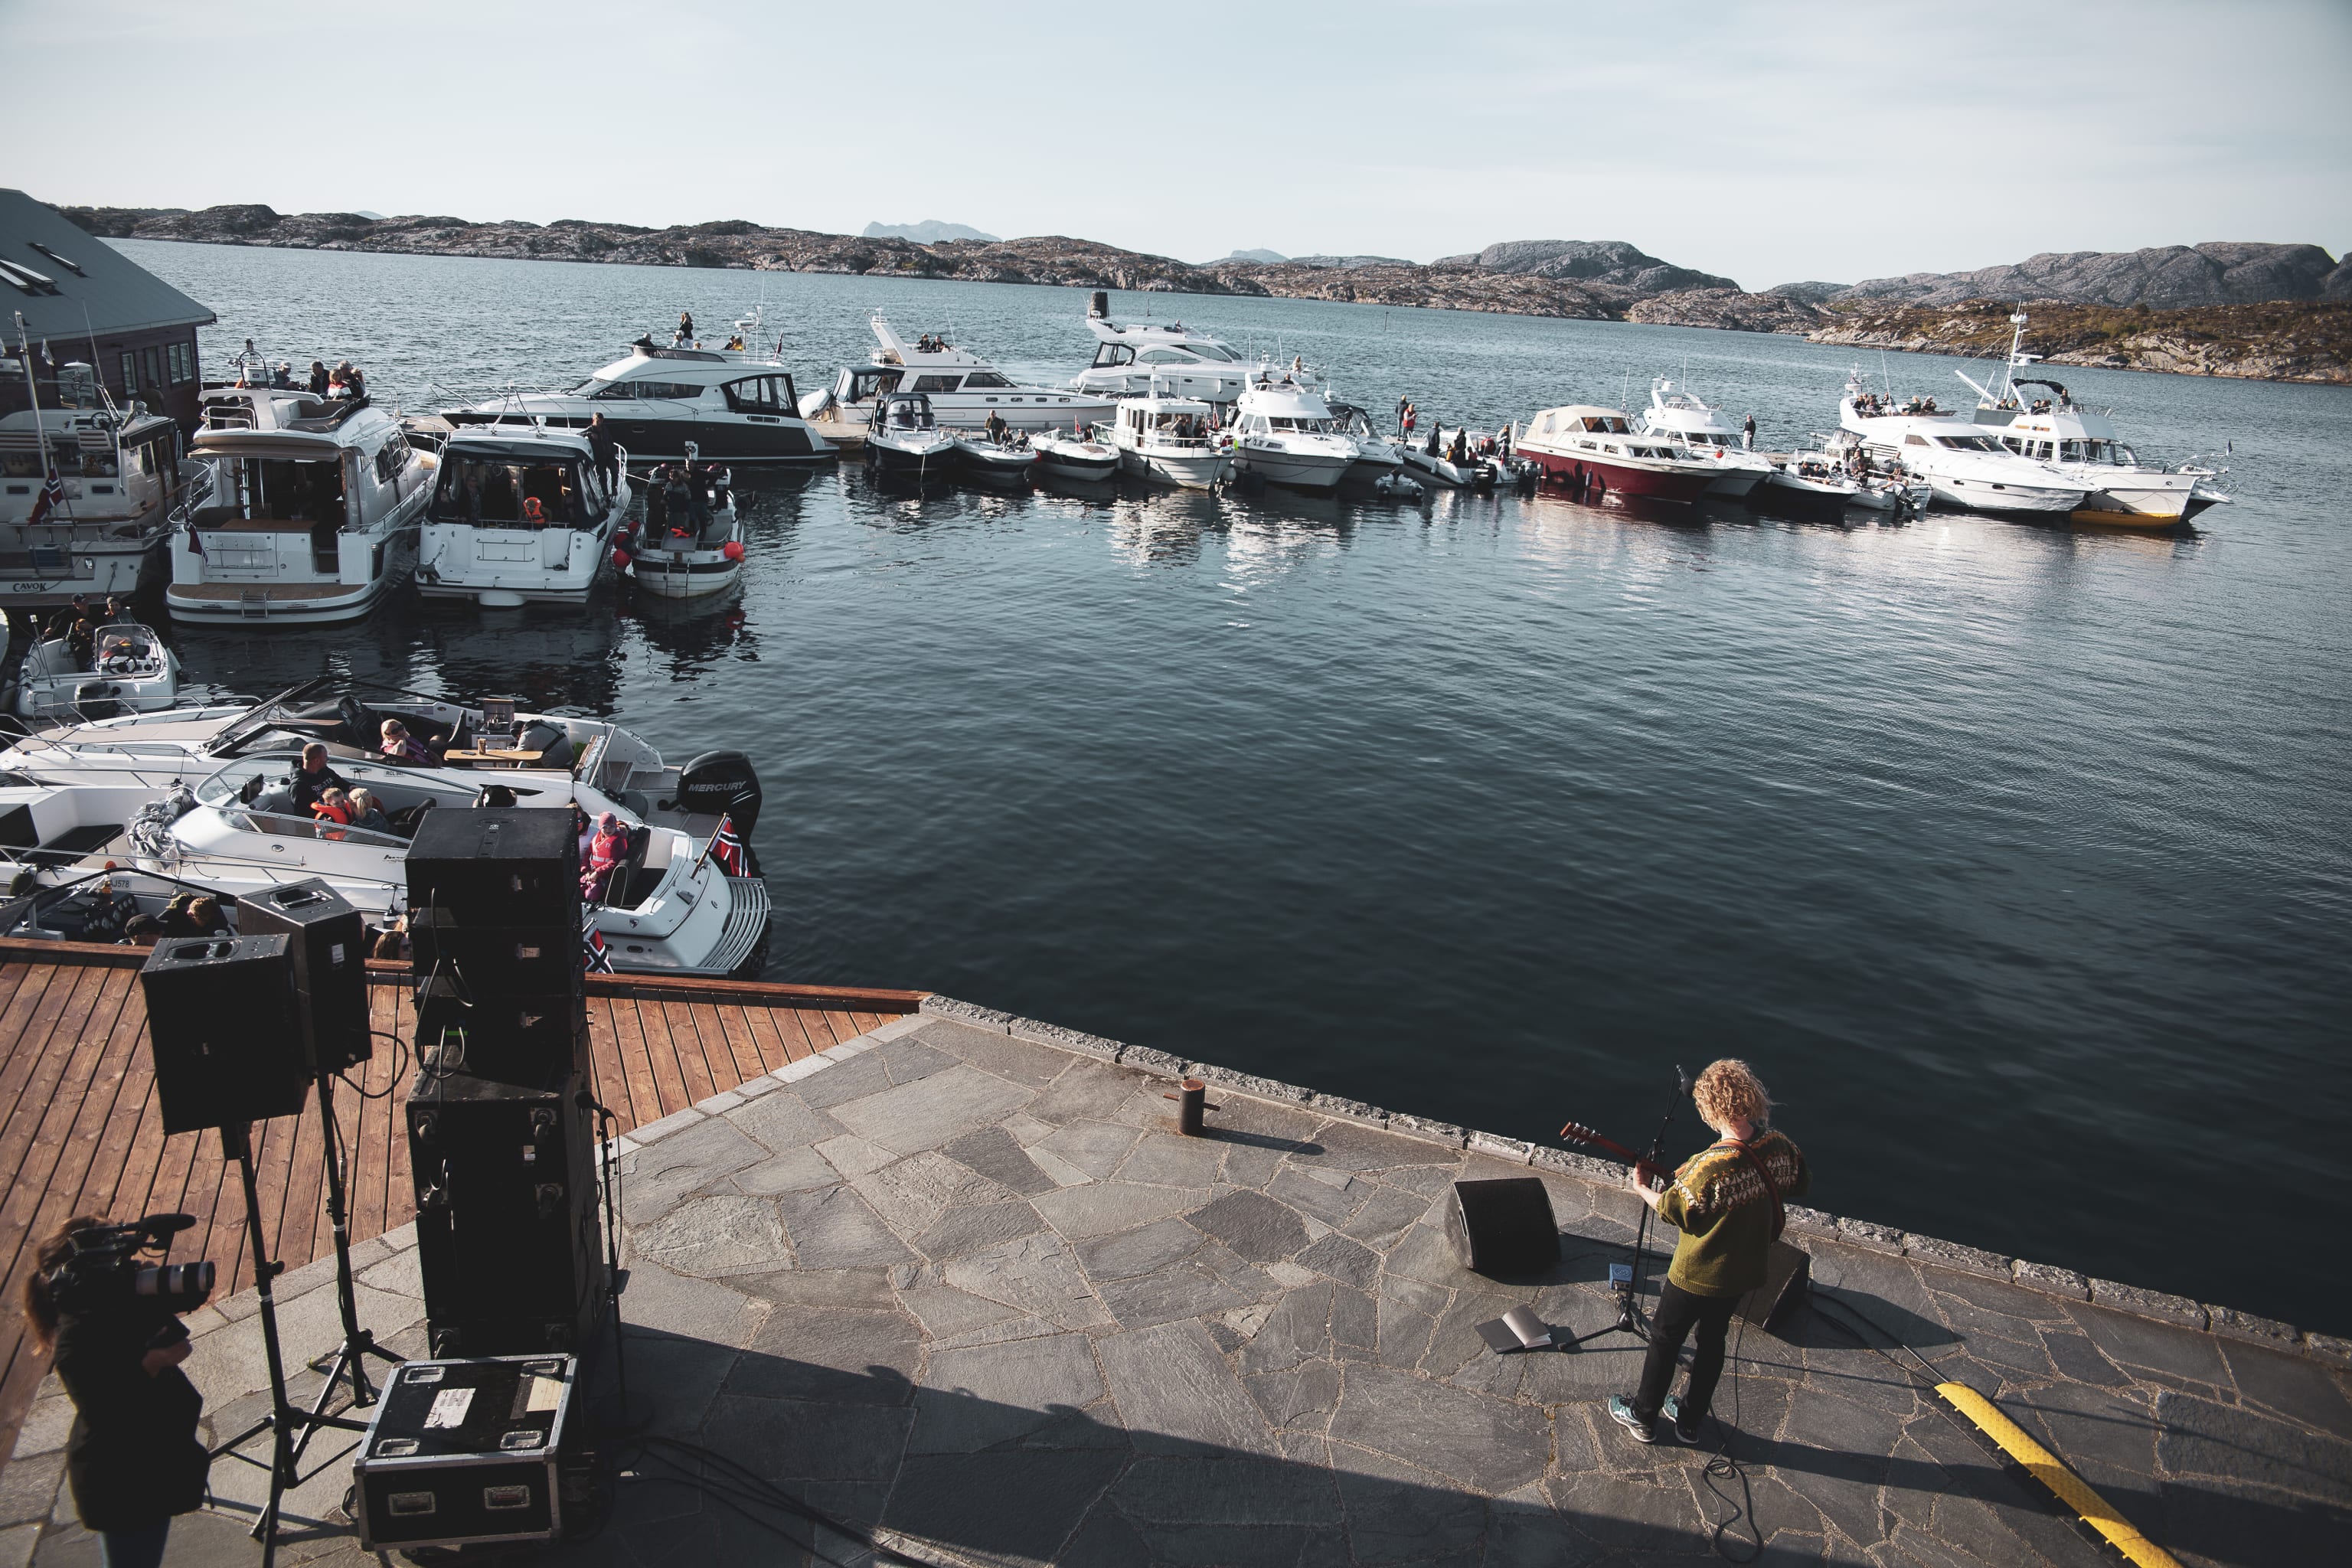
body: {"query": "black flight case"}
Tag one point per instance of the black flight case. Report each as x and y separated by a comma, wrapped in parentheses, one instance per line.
(465, 1451)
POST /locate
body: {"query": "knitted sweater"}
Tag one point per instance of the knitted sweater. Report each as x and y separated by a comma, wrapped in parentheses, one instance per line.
(1724, 1214)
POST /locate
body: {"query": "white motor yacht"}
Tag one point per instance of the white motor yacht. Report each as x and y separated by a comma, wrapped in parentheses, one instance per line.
(735, 405)
(311, 518)
(1172, 441)
(2081, 444)
(1133, 360)
(131, 671)
(519, 514)
(1702, 428)
(1285, 434)
(86, 495)
(1377, 456)
(963, 388)
(1964, 466)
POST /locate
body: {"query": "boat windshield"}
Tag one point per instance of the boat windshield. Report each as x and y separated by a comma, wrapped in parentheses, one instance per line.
(1217, 352)
(494, 490)
(1309, 426)
(1971, 444)
(2086, 451)
(1612, 423)
(276, 490)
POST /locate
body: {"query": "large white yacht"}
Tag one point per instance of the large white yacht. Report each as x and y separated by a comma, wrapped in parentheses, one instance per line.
(1132, 360)
(736, 405)
(312, 514)
(1964, 466)
(519, 513)
(1701, 428)
(963, 388)
(117, 480)
(2081, 444)
(1287, 434)
(1172, 441)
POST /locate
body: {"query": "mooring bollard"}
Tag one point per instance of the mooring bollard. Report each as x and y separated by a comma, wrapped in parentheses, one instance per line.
(1190, 1104)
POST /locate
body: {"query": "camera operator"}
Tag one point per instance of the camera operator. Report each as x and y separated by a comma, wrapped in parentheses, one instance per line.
(133, 1460)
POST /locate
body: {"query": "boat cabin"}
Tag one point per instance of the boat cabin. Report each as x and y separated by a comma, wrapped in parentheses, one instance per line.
(1166, 422)
(906, 411)
(1605, 432)
(520, 483)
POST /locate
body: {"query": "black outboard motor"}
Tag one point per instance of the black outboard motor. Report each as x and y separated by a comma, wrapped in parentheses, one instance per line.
(1099, 306)
(719, 782)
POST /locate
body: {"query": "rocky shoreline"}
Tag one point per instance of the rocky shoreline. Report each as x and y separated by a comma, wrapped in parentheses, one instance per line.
(2298, 340)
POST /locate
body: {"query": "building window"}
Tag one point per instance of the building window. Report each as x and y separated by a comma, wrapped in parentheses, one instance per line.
(178, 363)
(130, 373)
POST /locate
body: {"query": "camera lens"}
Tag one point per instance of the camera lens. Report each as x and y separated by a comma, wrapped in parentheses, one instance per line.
(176, 1282)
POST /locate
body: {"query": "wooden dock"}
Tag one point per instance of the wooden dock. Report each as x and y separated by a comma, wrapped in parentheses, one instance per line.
(81, 1132)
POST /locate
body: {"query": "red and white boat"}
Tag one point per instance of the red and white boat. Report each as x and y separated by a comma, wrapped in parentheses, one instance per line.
(1599, 451)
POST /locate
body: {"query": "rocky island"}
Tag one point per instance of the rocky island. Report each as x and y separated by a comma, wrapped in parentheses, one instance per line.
(2228, 309)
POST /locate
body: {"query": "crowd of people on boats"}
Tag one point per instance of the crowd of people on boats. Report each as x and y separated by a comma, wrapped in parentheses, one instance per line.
(346, 382)
(1871, 406)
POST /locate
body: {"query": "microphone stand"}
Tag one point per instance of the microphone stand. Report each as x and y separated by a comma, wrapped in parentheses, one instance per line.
(1629, 1316)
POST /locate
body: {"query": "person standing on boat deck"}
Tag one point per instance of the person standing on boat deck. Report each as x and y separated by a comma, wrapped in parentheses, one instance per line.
(1411, 416)
(684, 335)
(678, 503)
(1727, 1203)
(1748, 434)
(995, 426)
(606, 452)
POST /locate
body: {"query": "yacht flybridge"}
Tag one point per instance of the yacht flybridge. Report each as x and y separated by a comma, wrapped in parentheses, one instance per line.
(963, 389)
(104, 518)
(1963, 466)
(311, 515)
(1683, 417)
(1132, 360)
(519, 513)
(2080, 443)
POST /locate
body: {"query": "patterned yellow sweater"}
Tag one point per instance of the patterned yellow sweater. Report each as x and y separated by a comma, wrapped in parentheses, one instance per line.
(1724, 1214)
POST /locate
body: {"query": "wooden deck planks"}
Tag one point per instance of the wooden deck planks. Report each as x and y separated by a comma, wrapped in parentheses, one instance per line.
(80, 1131)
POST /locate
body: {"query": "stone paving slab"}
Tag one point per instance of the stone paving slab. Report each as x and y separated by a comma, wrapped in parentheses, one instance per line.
(964, 1290)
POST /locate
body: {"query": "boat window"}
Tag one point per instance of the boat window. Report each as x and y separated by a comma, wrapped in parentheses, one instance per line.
(1967, 442)
(392, 458)
(1110, 354)
(1543, 426)
(758, 394)
(982, 378)
(935, 383)
(2127, 457)
(1164, 356)
(873, 384)
(605, 390)
(1914, 440)
(488, 490)
(1213, 352)
(277, 490)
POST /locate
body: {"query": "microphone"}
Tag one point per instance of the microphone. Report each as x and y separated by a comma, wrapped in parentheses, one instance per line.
(1683, 1077)
(160, 1226)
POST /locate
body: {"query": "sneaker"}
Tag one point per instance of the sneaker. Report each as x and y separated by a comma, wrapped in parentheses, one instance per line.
(1685, 1431)
(1620, 1410)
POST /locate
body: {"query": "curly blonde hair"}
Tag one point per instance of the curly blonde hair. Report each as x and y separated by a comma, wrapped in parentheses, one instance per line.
(1729, 1091)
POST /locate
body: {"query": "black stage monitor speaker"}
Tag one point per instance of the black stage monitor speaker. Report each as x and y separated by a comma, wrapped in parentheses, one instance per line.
(328, 941)
(496, 960)
(465, 1452)
(511, 1038)
(506, 1215)
(509, 866)
(1788, 1281)
(220, 1023)
(1503, 1226)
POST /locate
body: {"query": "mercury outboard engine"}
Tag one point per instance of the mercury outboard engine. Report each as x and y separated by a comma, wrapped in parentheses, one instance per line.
(719, 782)
(1099, 306)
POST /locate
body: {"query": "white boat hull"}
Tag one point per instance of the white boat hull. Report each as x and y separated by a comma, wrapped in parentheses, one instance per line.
(1993, 495)
(1295, 470)
(1185, 470)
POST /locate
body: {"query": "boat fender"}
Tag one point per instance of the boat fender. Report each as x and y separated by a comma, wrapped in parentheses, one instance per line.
(719, 782)
(621, 557)
(734, 550)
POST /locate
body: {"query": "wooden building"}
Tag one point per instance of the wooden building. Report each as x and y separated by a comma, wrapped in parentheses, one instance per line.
(81, 301)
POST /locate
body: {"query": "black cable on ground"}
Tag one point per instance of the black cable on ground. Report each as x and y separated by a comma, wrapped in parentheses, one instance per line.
(1723, 1467)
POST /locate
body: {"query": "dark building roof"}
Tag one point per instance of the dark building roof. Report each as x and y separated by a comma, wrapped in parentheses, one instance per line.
(67, 283)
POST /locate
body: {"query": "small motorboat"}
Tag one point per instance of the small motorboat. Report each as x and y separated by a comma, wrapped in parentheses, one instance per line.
(905, 437)
(1172, 441)
(131, 672)
(1377, 456)
(1451, 464)
(1006, 461)
(1073, 458)
(520, 513)
(687, 551)
(1396, 486)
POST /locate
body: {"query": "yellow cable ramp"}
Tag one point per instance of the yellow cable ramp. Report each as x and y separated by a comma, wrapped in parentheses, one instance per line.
(2047, 1468)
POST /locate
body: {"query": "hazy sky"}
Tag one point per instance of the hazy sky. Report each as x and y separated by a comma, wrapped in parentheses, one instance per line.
(1769, 144)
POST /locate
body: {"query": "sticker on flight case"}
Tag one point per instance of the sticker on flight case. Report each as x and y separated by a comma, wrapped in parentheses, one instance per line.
(449, 1407)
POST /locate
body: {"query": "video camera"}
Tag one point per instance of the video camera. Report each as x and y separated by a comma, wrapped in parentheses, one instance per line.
(104, 1272)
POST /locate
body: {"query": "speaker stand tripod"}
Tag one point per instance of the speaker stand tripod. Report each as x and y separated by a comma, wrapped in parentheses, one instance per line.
(350, 1359)
(1629, 1314)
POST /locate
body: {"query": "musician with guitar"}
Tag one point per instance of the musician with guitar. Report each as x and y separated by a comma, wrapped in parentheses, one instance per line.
(1727, 1201)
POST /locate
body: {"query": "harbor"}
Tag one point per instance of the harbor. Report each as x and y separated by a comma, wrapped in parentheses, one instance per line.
(952, 1280)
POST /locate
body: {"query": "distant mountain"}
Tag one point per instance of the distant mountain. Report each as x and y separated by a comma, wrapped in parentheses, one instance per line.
(930, 231)
(1270, 257)
(373, 217)
(2169, 277)
(1609, 263)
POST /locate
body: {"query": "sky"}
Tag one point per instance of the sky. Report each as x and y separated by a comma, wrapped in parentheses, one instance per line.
(1767, 144)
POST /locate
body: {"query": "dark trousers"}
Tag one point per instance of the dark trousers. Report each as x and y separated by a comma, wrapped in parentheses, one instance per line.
(142, 1548)
(1678, 1312)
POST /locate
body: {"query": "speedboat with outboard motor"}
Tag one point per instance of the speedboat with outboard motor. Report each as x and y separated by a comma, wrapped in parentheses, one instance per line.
(312, 517)
(1285, 434)
(2081, 444)
(905, 437)
(1005, 460)
(735, 405)
(83, 858)
(1701, 429)
(1965, 466)
(1133, 360)
(131, 671)
(1597, 451)
(1074, 460)
(693, 540)
(1172, 441)
(1447, 462)
(1377, 456)
(963, 388)
(519, 514)
(87, 493)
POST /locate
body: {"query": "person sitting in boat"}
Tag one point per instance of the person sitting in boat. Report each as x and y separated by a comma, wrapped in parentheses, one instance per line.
(332, 805)
(735, 343)
(995, 428)
(398, 742)
(367, 811)
(318, 378)
(1459, 453)
(82, 642)
(607, 852)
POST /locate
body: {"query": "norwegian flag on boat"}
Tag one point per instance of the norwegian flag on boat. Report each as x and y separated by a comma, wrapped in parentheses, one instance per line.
(52, 496)
(728, 850)
(593, 958)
